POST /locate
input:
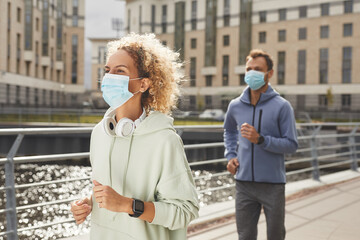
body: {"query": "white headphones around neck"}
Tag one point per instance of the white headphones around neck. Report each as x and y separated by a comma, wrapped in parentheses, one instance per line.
(124, 127)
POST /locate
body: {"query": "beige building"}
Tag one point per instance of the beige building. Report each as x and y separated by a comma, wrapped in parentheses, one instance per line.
(98, 61)
(315, 45)
(41, 53)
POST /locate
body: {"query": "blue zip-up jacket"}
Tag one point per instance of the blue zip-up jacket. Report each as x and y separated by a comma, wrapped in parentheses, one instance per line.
(273, 118)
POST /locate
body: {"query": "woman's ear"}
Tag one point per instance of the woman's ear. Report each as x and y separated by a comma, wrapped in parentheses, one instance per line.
(145, 84)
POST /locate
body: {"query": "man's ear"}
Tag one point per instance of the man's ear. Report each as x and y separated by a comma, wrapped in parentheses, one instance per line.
(270, 73)
(145, 84)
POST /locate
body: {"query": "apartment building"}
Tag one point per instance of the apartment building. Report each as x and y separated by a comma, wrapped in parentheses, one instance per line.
(315, 45)
(98, 61)
(316, 48)
(41, 53)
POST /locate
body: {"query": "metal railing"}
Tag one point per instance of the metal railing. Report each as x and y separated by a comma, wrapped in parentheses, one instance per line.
(311, 143)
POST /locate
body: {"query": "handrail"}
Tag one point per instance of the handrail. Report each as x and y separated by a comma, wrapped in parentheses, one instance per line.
(328, 160)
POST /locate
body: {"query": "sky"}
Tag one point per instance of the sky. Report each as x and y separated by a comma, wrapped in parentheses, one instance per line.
(98, 24)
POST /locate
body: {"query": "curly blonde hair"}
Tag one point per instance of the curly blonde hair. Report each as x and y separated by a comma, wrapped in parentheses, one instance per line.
(156, 62)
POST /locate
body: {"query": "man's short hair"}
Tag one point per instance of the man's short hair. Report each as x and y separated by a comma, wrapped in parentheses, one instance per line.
(261, 53)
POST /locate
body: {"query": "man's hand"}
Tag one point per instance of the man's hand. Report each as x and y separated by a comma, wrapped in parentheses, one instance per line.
(108, 198)
(233, 165)
(249, 132)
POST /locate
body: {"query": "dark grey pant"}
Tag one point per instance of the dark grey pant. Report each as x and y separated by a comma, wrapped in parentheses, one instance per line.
(250, 197)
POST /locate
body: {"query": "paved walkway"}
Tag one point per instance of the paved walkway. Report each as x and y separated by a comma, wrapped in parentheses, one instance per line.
(331, 214)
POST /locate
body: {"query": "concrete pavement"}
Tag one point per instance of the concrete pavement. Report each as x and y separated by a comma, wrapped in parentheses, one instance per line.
(331, 214)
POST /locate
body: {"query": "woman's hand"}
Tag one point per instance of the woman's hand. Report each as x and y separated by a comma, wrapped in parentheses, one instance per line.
(81, 209)
(108, 198)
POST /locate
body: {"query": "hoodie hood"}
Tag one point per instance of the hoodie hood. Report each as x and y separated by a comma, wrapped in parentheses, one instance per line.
(269, 94)
(155, 121)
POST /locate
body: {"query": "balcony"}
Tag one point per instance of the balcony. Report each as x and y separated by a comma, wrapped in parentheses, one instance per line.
(59, 65)
(28, 56)
(208, 71)
(45, 61)
(240, 69)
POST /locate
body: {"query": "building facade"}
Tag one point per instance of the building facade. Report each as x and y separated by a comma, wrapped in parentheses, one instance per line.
(98, 61)
(315, 45)
(41, 53)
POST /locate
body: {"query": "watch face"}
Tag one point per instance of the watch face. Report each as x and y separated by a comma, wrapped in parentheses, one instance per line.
(139, 206)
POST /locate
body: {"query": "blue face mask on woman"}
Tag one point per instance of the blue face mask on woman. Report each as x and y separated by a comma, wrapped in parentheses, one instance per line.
(255, 79)
(115, 89)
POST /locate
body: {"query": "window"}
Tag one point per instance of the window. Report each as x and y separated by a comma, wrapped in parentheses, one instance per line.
(193, 43)
(281, 68)
(44, 97)
(75, 20)
(193, 14)
(17, 95)
(37, 24)
(36, 97)
(27, 95)
(192, 102)
(163, 18)
(282, 35)
(282, 14)
(262, 37)
(179, 40)
(324, 60)
(129, 20)
(226, 13)
(140, 18)
(210, 33)
(152, 18)
(303, 12)
(208, 101)
(323, 101)
(27, 63)
(226, 40)
(346, 65)
(45, 28)
(225, 70)
(346, 100)
(102, 55)
(325, 9)
(348, 6)
(262, 16)
(245, 30)
(8, 93)
(193, 72)
(164, 43)
(348, 30)
(300, 102)
(19, 14)
(208, 81)
(302, 33)
(75, 17)
(74, 59)
(242, 79)
(324, 31)
(301, 74)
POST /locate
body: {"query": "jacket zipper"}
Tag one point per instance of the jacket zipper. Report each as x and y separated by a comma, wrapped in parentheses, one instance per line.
(252, 144)
(252, 147)
(259, 126)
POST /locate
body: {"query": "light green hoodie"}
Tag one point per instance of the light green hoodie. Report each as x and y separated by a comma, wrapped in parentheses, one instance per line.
(150, 165)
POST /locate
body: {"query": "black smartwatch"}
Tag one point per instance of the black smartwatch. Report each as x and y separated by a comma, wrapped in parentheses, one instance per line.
(137, 207)
(260, 140)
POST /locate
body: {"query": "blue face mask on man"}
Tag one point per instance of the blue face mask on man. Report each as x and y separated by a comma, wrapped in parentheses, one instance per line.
(115, 89)
(255, 79)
